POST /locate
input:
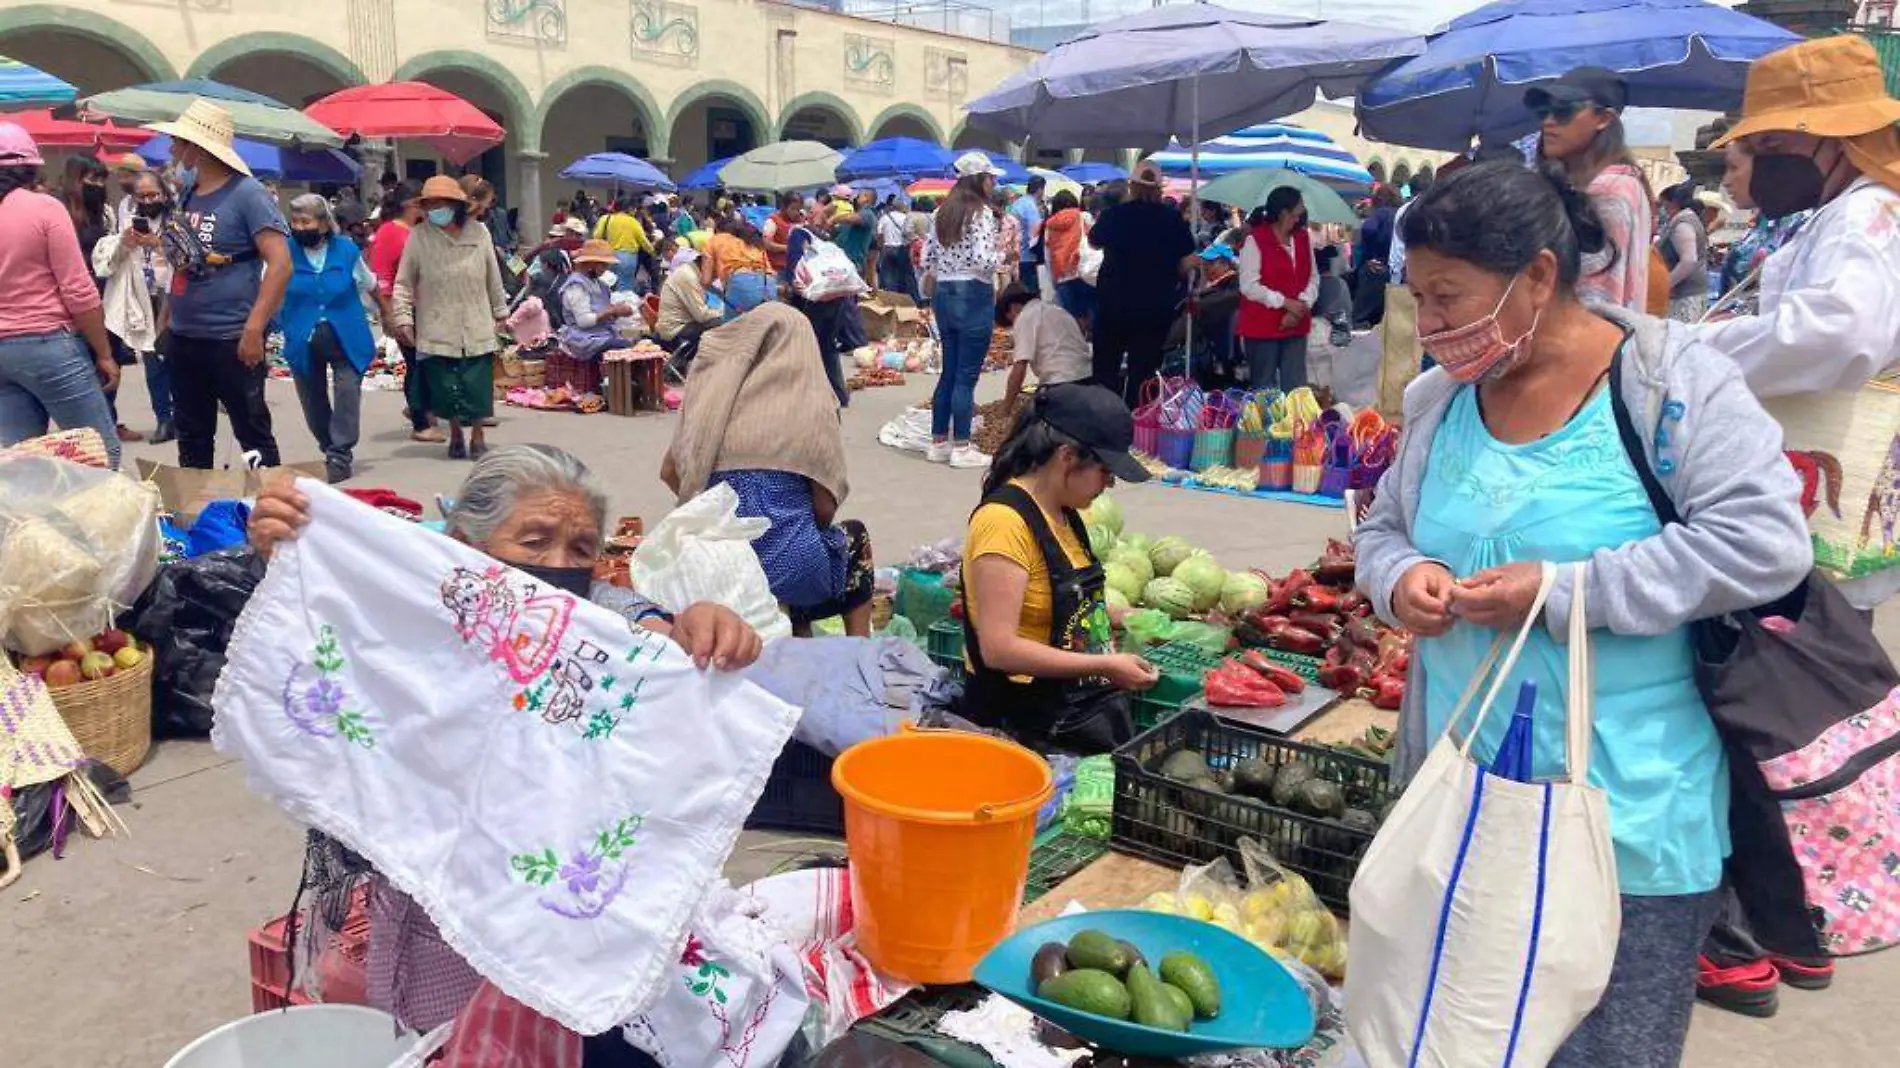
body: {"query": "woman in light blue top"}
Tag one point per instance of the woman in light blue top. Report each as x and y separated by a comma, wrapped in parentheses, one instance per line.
(1512, 458)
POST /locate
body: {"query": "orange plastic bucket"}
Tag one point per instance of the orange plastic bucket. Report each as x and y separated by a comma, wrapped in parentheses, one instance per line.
(939, 826)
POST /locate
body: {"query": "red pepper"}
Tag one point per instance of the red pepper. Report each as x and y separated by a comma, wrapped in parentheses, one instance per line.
(1341, 678)
(1364, 633)
(1318, 599)
(1353, 601)
(1274, 673)
(1318, 622)
(1232, 685)
(1285, 591)
(1335, 572)
(1297, 640)
(1387, 691)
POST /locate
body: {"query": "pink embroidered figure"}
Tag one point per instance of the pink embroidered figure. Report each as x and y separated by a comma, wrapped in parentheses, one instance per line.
(520, 633)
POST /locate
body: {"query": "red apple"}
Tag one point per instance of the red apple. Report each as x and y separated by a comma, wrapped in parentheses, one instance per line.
(111, 641)
(97, 665)
(36, 665)
(76, 650)
(61, 673)
(127, 657)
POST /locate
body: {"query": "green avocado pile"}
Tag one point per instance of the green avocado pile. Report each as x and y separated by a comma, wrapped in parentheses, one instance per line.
(1096, 973)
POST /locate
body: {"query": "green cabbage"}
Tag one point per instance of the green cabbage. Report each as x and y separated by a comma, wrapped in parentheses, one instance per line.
(1117, 600)
(1123, 580)
(1201, 574)
(1243, 591)
(1101, 540)
(1135, 560)
(1106, 512)
(1167, 554)
(1169, 595)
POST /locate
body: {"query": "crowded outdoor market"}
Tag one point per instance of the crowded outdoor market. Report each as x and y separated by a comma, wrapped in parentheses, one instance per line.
(1300, 542)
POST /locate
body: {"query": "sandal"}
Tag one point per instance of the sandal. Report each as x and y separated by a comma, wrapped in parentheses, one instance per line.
(1748, 989)
(431, 436)
(457, 450)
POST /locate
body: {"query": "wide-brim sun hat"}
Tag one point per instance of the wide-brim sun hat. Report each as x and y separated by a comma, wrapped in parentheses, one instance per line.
(207, 126)
(595, 251)
(1832, 87)
(974, 163)
(443, 187)
(17, 148)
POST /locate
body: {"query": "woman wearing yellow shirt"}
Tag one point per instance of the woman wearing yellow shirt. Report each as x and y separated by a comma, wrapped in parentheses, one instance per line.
(1042, 664)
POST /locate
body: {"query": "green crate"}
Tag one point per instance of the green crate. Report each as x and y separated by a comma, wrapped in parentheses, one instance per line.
(1149, 712)
(1183, 668)
(1058, 855)
(1306, 667)
(944, 643)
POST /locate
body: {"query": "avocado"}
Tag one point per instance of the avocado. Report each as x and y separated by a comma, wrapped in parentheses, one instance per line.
(1288, 780)
(1094, 949)
(1199, 803)
(1089, 990)
(1254, 778)
(1149, 1005)
(1195, 979)
(1182, 1003)
(1317, 797)
(1050, 961)
(1360, 820)
(1185, 764)
(1134, 955)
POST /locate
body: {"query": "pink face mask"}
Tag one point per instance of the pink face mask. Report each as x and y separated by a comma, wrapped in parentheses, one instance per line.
(1477, 349)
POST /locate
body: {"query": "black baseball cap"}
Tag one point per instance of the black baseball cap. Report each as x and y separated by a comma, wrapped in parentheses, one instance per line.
(1098, 420)
(1584, 85)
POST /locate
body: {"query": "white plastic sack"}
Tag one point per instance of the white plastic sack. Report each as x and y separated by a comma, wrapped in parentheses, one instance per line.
(826, 273)
(702, 551)
(1091, 265)
(735, 999)
(77, 545)
(1485, 915)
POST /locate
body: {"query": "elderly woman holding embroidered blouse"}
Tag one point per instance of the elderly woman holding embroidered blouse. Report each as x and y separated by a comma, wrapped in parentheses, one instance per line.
(1513, 456)
(325, 322)
(760, 417)
(448, 303)
(542, 512)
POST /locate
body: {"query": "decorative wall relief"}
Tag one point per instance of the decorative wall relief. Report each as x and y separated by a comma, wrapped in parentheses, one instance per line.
(870, 62)
(665, 31)
(946, 72)
(536, 21)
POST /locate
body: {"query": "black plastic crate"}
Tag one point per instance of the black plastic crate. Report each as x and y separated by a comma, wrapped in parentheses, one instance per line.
(1177, 824)
(798, 795)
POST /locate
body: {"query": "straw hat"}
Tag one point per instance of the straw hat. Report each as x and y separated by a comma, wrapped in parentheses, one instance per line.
(207, 126)
(443, 187)
(1832, 87)
(595, 251)
(1148, 173)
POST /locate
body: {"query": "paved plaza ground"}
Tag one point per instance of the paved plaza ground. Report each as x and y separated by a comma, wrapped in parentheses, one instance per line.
(128, 948)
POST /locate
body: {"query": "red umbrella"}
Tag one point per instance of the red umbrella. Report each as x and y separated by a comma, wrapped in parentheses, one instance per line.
(49, 132)
(416, 111)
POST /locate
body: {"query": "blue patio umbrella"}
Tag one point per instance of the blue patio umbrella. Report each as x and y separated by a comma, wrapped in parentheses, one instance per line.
(896, 157)
(617, 170)
(1014, 173)
(273, 161)
(22, 86)
(1271, 144)
(706, 176)
(1470, 80)
(1094, 173)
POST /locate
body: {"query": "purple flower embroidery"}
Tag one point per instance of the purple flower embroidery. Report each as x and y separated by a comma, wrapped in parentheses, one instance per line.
(582, 873)
(323, 698)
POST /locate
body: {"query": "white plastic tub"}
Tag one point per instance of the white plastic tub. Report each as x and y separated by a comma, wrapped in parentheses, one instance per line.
(302, 1036)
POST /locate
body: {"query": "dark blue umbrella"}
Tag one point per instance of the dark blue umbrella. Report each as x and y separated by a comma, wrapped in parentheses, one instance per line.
(706, 177)
(1470, 80)
(1094, 173)
(273, 161)
(617, 170)
(897, 157)
(1014, 173)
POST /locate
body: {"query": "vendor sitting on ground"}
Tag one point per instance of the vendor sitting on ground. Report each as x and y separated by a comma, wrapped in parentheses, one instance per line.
(589, 314)
(760, 417)
(1037, 635)
(1047, 340)
(539, 510)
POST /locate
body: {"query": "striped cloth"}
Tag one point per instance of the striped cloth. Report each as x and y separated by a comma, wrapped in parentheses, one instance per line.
(495, 1031)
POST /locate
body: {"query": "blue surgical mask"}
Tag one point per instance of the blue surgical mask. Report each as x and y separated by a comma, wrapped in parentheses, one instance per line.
(441, 216)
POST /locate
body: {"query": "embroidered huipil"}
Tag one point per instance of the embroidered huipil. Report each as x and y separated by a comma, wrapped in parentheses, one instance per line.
(1559, 499)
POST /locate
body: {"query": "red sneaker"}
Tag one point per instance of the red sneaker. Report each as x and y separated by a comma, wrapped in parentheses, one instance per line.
(1805, 973)
(1749, 989)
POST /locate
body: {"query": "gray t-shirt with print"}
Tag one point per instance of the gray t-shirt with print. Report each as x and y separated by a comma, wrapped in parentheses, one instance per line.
(217, 303)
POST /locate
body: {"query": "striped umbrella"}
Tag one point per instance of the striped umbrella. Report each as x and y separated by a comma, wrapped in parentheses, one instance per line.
(1273, 144)
(22, 86)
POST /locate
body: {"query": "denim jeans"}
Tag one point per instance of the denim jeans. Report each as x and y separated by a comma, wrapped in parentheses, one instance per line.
(158, 382)
(893, 272)
(332, 399)
(966, 313)
(1077, 298)
(51, 377)
(1276, 363)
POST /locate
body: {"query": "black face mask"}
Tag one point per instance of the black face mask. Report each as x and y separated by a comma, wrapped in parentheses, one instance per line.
(1784, 183)
(575, 580)
(92, 196)
(308, 238)
(153, 210)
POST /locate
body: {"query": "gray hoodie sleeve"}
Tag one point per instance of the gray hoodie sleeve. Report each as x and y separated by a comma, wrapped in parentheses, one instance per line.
(1743, 540)
(1382, 543)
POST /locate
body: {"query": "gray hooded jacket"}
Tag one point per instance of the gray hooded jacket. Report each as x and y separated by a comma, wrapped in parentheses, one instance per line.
(1743, 541)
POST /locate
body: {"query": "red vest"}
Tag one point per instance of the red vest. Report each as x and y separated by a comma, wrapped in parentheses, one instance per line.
(1286, 275)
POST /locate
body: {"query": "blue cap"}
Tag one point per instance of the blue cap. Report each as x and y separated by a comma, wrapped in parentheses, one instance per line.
(1217, 251)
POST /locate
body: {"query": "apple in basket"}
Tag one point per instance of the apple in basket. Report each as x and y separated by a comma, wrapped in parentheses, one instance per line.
(75, 650)
(97, 665)
(112, 641)
(61, 673)
(128, 657)
(36, 665)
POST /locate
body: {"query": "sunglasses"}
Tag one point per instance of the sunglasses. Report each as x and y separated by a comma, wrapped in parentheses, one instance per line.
(1558, 112)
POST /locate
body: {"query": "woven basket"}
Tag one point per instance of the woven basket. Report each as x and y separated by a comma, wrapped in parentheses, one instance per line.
(1854, 518)
(111, 718)
(534, 373)
(1249, 449)
(1175, 447)
(1212, 448)
(1306, 478)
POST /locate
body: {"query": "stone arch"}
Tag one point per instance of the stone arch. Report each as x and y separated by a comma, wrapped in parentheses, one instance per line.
(135, 47)
(906, 111)
(714, 91)
(647, 108)
(313, 52)
(1401, 173)
(966, 136)
(1426, 173)
(1376, 167)
(522, 121)
(821, 100)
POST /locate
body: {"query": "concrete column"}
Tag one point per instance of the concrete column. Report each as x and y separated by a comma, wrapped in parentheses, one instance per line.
(376, 158)
(531, 211)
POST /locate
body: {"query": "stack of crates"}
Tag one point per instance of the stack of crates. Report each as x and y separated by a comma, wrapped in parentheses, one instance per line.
(944, 642)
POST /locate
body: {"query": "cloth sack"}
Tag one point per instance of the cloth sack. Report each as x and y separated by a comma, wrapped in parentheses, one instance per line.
(1485, 914)
(556, 789)
(811, 911)
(702, 551)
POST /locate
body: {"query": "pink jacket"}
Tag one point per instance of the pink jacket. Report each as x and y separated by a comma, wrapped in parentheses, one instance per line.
(46, 279)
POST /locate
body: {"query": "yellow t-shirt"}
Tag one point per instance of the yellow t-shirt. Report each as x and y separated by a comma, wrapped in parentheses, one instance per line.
(624, 233)
(996, 530)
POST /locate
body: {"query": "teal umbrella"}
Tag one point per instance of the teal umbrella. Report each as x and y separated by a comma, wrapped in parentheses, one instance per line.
(1249, 189)
(255, 115)
(783, 165)
(24, 87)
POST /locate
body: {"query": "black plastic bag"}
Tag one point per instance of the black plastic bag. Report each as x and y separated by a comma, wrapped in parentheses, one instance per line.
(187, 614)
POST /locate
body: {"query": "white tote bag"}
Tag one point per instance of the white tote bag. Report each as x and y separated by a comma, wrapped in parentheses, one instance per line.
(1485, 914)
